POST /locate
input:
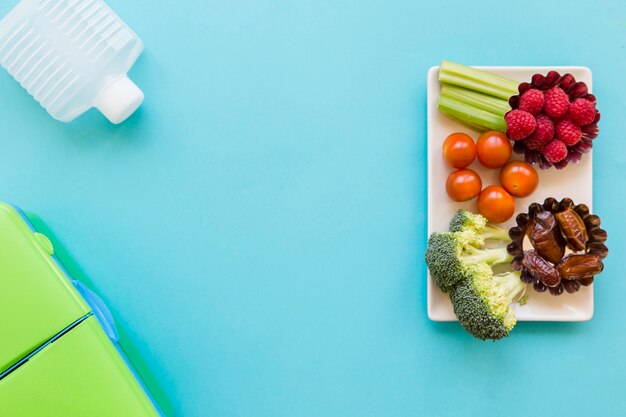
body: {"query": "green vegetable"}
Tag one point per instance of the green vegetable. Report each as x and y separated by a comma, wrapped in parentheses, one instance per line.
(477, 80)
(477, 100)
(460, 263)
(452, 257)
(483, 302)
(476, 226)
(476, 118)
(475, 97)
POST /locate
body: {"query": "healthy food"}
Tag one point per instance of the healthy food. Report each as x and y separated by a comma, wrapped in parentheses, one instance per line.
(569, 107)
(460, 263)
(463, 185)
(545, 236)
(552, 119)
(493, 149)
(483, 302)
(565, 246)
(519, 178)
(459, 150)
(573, 228)
(496, 204)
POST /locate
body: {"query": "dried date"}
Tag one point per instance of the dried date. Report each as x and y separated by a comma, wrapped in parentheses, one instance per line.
(541, 269)
(573, 229)
(545, 236)
(580, 266)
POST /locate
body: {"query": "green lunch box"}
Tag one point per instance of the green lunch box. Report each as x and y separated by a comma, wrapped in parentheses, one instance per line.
(59, 355)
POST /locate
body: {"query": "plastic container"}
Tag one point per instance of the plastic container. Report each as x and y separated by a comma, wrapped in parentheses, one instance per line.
(71, 55)
(59, 351)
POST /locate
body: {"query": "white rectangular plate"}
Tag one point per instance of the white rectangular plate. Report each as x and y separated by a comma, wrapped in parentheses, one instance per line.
(575, 182)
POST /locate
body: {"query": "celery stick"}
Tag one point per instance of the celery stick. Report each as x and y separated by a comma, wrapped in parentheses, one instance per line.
(477, 80)
(479, 100)
(480, 119)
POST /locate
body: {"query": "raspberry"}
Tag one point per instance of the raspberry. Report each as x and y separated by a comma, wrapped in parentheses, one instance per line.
(519, 124)
(556, 103)
(568, 132)
(582, 112)
(531, 101)
(555, 151)
(543, 134)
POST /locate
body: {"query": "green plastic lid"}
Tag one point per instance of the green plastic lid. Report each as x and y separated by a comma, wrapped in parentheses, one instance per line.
(81, 374)
(37, 300)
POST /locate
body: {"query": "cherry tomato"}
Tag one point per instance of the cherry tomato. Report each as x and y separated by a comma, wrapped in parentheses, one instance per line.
(463, 185)
(519, 178)
(493, 149)
(496, 204)
(459, 150)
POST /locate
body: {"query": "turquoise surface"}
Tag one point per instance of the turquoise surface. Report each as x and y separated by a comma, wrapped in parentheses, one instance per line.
(258, 227)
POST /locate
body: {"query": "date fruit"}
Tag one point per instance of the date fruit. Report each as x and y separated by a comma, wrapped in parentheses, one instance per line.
(573, 229)
(545, 236)
(580, 266)
(541, 269)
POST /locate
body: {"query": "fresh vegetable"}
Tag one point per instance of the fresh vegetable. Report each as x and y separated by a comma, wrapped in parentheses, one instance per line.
(463, 185)
(460, 263)
(475, 97)
(453, 257)
(493, 149)
(459, 150)
(477, 80)
(476, 228)
(519, 178)
(549, 226)
(483, 302)
(487, 101)
(496, 204)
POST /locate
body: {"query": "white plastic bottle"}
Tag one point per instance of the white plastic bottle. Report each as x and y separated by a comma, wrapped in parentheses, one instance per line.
(71, 55)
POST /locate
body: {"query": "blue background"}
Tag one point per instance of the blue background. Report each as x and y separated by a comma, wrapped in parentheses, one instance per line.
(258, 226)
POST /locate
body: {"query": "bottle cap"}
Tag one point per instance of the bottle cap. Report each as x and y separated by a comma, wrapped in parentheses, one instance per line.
(118, 100)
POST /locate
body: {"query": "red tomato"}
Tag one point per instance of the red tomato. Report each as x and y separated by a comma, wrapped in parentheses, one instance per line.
(463, 185)
(459, 150)
(496, 204)
(493, 149)
(519, 178)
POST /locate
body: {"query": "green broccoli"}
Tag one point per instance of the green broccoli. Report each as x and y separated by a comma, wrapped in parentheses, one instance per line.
(451, 256)
(476, 229)
(483, 302)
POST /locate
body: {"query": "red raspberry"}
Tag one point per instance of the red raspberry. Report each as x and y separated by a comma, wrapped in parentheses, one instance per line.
(543, 134)
(531, 101)
(556, 103)
(519, 124)
(568, 132)
(555, 151)
(582, 112)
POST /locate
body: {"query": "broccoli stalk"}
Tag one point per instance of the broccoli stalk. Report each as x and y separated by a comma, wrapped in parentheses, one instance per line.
(492, 257)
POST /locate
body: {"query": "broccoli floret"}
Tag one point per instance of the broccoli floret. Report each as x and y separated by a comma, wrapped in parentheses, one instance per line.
(451, 256)
(483, 302)
(476, 229)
